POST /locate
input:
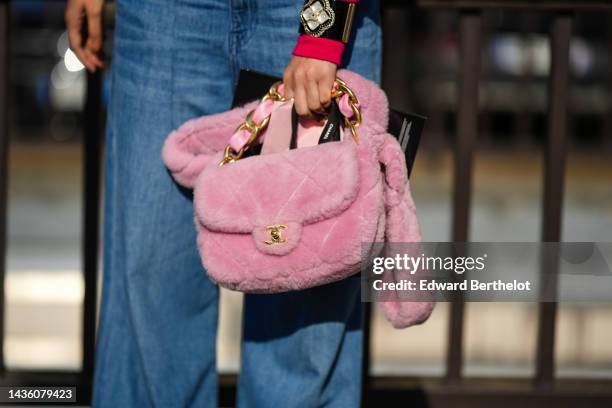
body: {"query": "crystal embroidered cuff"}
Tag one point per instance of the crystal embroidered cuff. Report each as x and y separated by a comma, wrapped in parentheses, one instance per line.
(327, 19)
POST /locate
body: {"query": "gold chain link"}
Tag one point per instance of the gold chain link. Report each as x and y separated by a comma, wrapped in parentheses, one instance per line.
(255, 129)
(354, 121)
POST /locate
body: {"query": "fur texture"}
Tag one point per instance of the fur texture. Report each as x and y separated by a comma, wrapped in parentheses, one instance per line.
(331, 198)
(401, 226)
(189, 149)
(276, 188)
(335, 215)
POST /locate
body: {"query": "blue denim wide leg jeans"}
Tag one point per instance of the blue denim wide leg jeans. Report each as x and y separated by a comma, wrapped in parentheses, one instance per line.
(174, 60)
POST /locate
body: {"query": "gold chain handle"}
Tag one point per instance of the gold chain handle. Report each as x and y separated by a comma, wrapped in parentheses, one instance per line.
(340, 89)
(352, 122)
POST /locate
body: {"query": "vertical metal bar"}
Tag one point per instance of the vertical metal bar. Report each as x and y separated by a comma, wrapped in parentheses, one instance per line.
(554, 162)
(4, 142)
(524, 117)
(607, 126)
(91, 211)
(467, 128)
(435, 40)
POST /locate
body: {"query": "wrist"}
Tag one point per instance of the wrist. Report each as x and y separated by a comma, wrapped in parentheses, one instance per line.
(319, 48)
(325, 28)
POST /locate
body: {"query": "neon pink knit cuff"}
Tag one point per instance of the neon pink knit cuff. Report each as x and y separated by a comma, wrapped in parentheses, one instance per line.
(319, 48)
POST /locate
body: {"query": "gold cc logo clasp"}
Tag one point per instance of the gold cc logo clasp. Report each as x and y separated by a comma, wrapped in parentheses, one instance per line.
(276, 236)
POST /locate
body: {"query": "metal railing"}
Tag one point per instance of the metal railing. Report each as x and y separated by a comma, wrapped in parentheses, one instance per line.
(544, 389)
(92, 142)
(4, 32)
(453, 389)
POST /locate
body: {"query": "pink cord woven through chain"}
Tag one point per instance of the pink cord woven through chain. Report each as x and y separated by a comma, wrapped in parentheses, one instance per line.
(240, 138)
(345, 107)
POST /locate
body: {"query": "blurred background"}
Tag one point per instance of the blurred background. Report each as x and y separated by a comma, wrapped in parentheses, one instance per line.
(44, 283)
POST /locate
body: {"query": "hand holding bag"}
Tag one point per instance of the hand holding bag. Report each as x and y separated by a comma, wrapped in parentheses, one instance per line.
(297, 217)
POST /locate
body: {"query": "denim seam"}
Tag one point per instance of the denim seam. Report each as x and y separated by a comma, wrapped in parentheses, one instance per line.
(172, 62)
(250, 23)
(231, 37)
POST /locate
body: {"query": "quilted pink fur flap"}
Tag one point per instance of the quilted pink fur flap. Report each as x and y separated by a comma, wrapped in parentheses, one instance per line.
(320, 182)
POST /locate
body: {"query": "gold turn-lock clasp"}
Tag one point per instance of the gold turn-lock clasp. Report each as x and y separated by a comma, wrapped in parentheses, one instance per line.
(276, 235)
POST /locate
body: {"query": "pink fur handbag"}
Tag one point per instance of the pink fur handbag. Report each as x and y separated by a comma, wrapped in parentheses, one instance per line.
(291, 219)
